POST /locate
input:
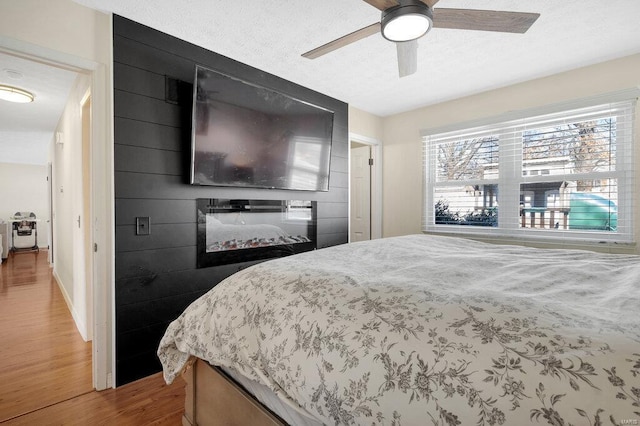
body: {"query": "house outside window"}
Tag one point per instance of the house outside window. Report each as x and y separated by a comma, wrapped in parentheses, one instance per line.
(564, 175)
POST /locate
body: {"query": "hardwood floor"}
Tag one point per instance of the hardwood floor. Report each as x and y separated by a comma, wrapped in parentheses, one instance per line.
(45, 366)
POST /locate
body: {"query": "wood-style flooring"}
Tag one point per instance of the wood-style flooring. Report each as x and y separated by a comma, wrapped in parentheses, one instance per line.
(45, 366)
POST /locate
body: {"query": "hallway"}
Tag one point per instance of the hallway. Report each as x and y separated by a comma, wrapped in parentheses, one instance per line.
(45, 366)
(44, 359)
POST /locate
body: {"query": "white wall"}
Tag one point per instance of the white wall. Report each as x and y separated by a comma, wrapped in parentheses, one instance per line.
(61, 25)
(67, 204)
(23, 187)
(76, 37)
(365, 124)
(402, 168)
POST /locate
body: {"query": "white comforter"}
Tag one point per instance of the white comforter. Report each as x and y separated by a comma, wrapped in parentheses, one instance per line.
(429, 330)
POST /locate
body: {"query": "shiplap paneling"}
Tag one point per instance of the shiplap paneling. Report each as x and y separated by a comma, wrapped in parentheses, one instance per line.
(157, 186)
(150, 135)
(156, 274)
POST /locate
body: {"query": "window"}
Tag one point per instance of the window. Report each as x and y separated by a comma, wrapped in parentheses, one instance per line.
(567, 174)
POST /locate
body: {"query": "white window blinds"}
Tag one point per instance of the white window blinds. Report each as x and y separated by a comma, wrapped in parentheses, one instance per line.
(563, 175)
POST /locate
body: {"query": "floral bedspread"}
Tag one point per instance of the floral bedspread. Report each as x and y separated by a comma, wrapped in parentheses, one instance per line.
(426, 330)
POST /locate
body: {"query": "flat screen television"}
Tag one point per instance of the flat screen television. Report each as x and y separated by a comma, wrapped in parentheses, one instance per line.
(251, 136)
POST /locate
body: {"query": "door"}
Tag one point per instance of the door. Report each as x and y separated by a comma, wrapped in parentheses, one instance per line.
(51, 214)
(87, 223)
(360, 222)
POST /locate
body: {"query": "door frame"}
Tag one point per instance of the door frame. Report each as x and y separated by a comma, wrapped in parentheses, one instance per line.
(85, 268)
(50, 206)
(102, 199)
(376, 182)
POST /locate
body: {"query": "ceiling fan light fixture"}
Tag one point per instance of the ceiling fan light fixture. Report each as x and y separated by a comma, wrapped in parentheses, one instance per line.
(408, 21)
(13, 94)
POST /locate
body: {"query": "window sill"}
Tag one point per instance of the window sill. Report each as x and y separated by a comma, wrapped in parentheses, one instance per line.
(608, 245)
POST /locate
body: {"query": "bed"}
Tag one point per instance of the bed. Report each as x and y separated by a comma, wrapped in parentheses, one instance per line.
(419, 330)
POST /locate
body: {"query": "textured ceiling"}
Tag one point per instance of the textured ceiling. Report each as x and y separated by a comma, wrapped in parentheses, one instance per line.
(272, 34)
(27, 129)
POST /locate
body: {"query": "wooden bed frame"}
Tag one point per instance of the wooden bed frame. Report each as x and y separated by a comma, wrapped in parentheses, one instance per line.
(214, 399)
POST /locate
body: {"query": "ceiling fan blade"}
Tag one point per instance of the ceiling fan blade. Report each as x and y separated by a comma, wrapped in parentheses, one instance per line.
(407, 57)
(386, 4)
(483, 20)
(463, 19)
(343, 41)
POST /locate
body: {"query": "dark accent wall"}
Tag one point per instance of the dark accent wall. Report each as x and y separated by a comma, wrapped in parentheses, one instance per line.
(156, 275)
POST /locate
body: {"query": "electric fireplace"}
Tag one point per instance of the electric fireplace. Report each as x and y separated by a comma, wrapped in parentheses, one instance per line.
(234, 231)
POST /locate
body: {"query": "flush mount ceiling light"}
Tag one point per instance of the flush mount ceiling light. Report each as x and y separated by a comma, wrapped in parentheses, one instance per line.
(410, 20)
(13, 94)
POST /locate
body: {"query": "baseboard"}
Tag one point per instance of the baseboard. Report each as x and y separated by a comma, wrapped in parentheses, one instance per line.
(80, 325)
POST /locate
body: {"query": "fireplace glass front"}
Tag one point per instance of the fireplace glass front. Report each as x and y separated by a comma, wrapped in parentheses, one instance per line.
(233, 231)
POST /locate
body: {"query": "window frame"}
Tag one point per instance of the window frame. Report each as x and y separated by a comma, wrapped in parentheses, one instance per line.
(509, 128)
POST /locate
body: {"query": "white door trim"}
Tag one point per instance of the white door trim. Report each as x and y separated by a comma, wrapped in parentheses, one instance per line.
(376, 181)
(86, 229)
(102, 199)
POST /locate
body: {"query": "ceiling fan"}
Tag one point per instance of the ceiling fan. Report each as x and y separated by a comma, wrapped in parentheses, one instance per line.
(405, 21)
